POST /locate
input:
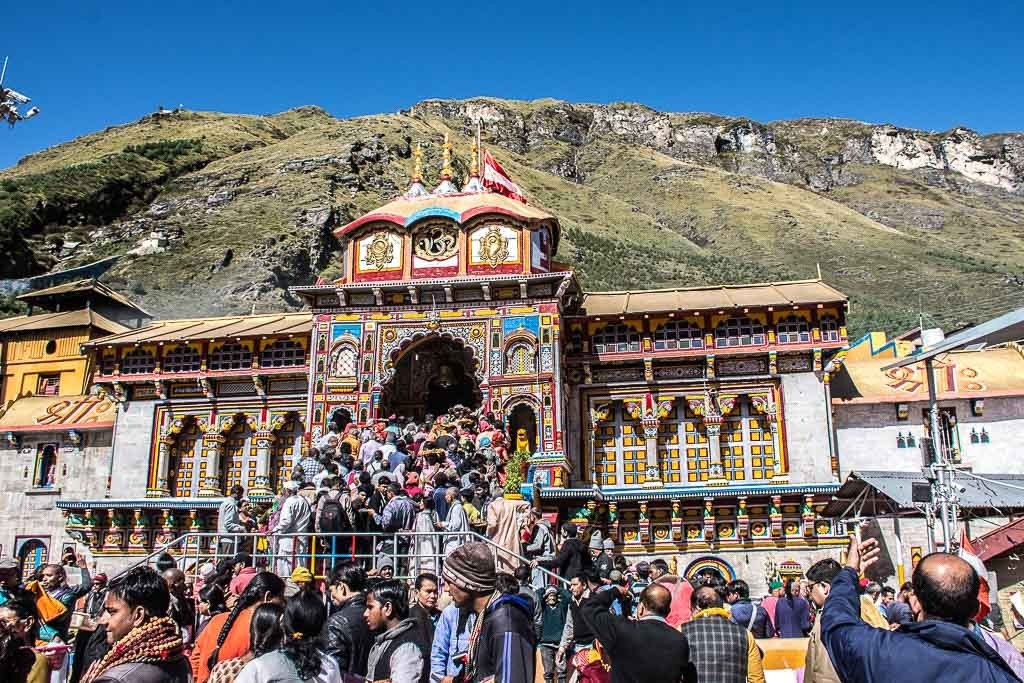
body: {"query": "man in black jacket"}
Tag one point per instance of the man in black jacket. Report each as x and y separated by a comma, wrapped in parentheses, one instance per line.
(503, 643)
(348, 638)
(572, 558)
(626, 640)
(424, 610)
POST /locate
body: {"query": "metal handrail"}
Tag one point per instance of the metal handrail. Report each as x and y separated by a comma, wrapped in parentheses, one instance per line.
(323, 551)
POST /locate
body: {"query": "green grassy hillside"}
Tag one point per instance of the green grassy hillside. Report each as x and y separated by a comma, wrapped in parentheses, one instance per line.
(218, 213)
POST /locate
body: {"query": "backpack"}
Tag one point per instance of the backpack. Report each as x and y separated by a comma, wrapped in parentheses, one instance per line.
(332, 517)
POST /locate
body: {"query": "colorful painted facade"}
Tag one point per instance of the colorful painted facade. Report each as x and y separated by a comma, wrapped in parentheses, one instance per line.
(692, 423)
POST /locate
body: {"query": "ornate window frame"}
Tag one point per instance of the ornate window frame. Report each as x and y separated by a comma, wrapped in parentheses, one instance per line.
(793, 329)
(828, 327)
(138, 361)
(181, 358)
(616, 337)
(230, 356)
(739, 331)
(283, 353)
(678, 334)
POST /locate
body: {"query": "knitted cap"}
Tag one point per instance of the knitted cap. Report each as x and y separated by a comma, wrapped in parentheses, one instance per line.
(595, 540)
(774, 585)
(301, 575)
(471, 568)
(609, 544)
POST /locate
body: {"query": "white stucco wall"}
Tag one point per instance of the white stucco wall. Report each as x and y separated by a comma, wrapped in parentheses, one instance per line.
(81, 472)
(132, 444)
(867, 436)
(805, 409)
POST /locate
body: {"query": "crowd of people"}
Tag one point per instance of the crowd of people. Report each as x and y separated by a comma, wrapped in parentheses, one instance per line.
(389, 482)
(475, 623)
(528, 603)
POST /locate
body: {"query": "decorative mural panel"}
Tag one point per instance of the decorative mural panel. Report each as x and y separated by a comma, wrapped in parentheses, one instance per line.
(742, 366)
(618, 374)
(547, 360)
(679, 372)
(800, 363)
(436, 241)
(494, 245)
(380, 251)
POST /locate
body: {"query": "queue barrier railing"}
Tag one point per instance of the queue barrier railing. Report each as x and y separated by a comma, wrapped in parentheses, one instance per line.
(409, 553)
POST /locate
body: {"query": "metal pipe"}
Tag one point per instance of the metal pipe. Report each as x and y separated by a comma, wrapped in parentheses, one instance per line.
(938, 458)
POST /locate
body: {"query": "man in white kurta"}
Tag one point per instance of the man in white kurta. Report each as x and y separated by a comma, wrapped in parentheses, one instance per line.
(296, 518)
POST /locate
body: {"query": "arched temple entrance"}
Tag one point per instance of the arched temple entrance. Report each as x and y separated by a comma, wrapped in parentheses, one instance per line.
(710, 566)
(430, 377)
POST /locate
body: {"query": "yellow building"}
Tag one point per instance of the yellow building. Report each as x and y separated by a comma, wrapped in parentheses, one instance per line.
(40, 353)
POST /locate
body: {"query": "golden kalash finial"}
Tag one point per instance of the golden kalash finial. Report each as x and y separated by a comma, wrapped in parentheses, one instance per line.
(417, 170)
(416, 188)
(446, 158)
(474, 165)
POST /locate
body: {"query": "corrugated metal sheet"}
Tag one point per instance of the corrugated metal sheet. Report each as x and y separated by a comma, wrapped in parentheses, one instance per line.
(883, 492)
(195, 329)
(49, 321)
(710, 298)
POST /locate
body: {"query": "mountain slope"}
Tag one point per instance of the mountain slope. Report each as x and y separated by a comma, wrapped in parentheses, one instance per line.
(219, 213)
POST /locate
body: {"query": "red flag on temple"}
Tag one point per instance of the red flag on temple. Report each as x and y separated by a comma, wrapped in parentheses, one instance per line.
(496, 179)
(968, 554)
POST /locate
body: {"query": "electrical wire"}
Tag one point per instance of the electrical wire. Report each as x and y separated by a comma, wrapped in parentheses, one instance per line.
(989, 481)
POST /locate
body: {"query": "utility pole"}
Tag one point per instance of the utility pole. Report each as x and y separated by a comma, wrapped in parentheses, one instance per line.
(942, 481)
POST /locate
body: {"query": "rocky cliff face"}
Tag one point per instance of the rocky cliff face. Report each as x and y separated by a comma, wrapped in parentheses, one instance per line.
(777, 151)
(216, 213)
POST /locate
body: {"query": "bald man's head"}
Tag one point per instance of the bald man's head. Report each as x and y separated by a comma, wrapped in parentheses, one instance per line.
(656, 600)
(946, 588)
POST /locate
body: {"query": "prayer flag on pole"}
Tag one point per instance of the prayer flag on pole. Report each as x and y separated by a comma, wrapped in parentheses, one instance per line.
(968, 554)
(496, 179)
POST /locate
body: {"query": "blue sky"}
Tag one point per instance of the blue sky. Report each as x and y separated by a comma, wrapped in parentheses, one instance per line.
(928, 65)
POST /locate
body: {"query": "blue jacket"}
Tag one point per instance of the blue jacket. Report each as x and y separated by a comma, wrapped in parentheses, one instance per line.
(447, 643)
(926, 651)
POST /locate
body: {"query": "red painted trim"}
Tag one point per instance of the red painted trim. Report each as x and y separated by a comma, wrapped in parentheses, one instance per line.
(370, 218)
(503, 269)
(437, 271)
(378, 276)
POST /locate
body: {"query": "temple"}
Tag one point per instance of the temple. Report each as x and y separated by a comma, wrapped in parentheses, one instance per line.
(693, 423)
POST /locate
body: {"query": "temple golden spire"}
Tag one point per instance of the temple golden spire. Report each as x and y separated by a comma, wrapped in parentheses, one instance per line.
(417, 170)
(474, 165)
(446, 158)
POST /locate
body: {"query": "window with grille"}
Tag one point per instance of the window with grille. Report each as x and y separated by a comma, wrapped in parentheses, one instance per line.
(181, 359)
(739, 332)
(46, 466)
(49, 385)
(678, 334)
(283, 354)
(520, 360)
(345, 362)
(747, 445)
(137, 362)
(793, 330)
(231, 357)
(829, 329)
(619, 451)
(107, 364)
(618, 338)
